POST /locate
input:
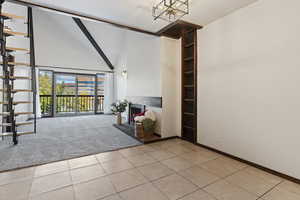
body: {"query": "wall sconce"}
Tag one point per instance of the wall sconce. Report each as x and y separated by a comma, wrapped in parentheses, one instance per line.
(124, 73)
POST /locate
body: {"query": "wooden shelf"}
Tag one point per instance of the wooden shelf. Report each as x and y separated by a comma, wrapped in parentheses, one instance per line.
(12, 33)
(188, 86)
(188, 113)
(188, 59)
(10, 49)
(189, 72)
(189, 45)
(11, 16)
(17, 64)
(188, 127)
(189, 100)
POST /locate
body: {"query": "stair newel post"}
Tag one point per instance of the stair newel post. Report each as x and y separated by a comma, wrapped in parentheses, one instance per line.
(6, 82)
(32, 62)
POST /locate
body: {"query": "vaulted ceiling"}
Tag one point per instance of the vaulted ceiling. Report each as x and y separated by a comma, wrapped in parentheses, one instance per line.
(138, 13)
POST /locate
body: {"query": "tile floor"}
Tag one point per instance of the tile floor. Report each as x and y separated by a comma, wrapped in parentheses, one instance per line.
(167, 170)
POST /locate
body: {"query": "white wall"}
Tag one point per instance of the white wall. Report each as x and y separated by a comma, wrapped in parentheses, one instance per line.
(143, 65)
(59, 42)
(171, 87)
(248, 85)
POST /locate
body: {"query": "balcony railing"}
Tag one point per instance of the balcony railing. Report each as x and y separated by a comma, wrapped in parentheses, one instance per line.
(71, 104)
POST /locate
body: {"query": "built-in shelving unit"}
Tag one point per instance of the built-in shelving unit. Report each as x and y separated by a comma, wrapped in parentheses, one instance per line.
(189, 85)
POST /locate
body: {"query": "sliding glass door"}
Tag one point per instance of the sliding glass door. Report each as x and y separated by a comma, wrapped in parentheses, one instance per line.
(99, 108)
(86, 94)
(65, 90)
(46, 92)
(64, 94)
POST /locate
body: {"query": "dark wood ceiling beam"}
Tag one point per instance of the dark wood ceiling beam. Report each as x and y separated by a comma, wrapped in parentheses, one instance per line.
(174, 30)
(93, 42)
(78, 15)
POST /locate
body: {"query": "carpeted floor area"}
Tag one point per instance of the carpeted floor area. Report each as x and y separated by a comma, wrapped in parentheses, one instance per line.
(64, 138)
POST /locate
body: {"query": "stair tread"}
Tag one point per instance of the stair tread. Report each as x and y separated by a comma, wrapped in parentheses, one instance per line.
(9, 32)
(16, 113)
(18, 124)
(16, 49)
(16, 102)
(16, 77)
(17, 90)
(17, 64)
(18, 133)
(12, 16)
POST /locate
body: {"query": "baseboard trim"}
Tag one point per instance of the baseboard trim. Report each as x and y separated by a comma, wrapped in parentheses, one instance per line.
(271, 171)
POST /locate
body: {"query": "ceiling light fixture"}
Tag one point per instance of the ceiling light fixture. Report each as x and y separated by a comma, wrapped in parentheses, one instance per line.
(170, 10)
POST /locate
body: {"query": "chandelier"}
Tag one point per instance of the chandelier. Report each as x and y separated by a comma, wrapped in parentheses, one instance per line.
(170, 10)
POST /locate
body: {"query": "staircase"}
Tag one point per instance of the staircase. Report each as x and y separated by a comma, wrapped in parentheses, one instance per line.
(10, 123)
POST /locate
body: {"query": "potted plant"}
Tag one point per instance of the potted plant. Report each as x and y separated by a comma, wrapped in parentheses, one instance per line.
(118, 108)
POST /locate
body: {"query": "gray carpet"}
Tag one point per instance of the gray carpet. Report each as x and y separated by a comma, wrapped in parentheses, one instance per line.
(64, 138)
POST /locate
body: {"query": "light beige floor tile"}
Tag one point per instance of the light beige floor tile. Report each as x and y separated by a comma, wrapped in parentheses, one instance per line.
(140, 160)
(49, 183)
(177, 163)
(16, 191)
(16, 175)
(108, 156)
(178, 149)
(51, 168)
(146, 148)
(127, 179)
(199, 176)
(175, 186)
(252, 182)
(143, 192)
(281, 194)
(222, 190)
(196, 157)
(95, 189)
(155, 171)
(116, 166)
(198, 195)
(82, 162)
(161, 155)
(87, 173)
(290, 186)
(270, 178)
(113, 197)
(66, 193)
(208, 153)
(133, 151)
(221, 167)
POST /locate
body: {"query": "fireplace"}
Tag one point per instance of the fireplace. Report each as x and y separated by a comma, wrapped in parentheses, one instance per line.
(134, 109)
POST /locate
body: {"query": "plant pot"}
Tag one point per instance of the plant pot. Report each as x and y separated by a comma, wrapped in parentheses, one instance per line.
(119, 119)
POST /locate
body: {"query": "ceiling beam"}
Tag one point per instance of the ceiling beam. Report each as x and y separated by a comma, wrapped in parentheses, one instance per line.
(174, 30)
(93, 42)
(78, 15)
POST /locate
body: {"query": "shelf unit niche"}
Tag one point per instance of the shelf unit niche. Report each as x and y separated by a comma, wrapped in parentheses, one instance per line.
(189, 85)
